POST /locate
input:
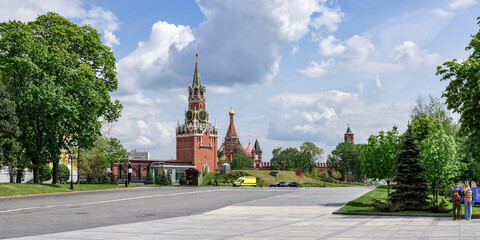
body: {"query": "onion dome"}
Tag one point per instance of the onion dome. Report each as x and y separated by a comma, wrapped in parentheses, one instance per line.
(248, 150)
(231, 111)
(238, 147)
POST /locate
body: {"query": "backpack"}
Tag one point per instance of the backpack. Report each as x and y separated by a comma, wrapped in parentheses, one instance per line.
(456, 196)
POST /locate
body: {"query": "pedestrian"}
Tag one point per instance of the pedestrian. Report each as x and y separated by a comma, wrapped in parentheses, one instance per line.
(456, 200)
(468, 201)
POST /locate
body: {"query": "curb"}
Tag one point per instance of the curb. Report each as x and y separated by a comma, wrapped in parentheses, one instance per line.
(399, 214)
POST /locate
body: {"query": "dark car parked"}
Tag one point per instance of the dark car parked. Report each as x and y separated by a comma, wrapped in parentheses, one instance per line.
(278, 184)
(292, 184)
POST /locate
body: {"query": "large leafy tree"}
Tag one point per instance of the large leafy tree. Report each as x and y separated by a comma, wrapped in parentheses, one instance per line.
(379, 156)
(241, 161)
(438, 156)
(284, 159)
(309, 155)
(345, 158)
(96, 160)
(411, 186)
(61, 76)
(9, 133)
(462, 93)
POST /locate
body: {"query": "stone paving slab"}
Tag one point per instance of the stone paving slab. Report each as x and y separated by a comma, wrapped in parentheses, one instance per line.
(283, 218)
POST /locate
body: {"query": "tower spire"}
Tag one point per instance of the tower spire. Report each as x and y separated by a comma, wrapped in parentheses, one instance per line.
(196, 75)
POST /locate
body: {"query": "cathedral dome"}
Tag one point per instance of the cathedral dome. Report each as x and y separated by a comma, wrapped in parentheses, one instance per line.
(239, 147)
(248, 150)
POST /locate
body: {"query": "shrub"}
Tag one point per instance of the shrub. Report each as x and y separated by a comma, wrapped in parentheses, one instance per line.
(113, 179)
(63, 173)
(44, 173)
(442, 207)
(163, 179)
(385, 206)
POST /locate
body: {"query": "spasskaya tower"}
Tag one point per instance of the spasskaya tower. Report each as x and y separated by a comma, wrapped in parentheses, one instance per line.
(197, 137)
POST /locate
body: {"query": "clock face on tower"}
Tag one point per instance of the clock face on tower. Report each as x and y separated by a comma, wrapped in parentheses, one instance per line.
(189, 115)
(202, 115)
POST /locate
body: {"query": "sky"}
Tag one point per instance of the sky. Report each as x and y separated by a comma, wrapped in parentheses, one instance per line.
(293, 71)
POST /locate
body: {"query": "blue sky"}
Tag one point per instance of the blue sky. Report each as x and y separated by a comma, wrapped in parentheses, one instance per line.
(294, 71)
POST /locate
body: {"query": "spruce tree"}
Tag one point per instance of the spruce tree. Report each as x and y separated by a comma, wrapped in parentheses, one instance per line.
(169, 178)
(149, 178)
(411, 186)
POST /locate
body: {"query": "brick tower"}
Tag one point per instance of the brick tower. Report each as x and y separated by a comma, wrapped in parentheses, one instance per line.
(256, 155)
(197, 137)
(348, 136)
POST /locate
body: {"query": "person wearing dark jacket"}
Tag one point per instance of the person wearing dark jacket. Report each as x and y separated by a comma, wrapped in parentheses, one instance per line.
(457, 203)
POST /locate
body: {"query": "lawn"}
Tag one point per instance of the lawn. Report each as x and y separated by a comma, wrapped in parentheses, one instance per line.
(284, 176)
(363, 203)
(16, 189)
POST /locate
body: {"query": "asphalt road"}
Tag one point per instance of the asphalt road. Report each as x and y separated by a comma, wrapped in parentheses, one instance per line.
(27, 216)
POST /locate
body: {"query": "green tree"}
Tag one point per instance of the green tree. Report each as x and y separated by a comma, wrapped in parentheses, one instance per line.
(60, 75)
(241, 161)
(379, 156)
(158, 178)
(183, 178)
(9, 133)
(169, 178)
(96, 160)
(411, 186)
(149, 178)
(284, 159)
(309, 156)
(462, 93)
(345, 158)
(438, 157)
(63, 173)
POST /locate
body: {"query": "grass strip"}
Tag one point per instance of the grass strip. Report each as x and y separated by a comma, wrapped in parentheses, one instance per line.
(18, 189)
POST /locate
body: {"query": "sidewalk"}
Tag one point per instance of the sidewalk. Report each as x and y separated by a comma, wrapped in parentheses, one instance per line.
(292, 216)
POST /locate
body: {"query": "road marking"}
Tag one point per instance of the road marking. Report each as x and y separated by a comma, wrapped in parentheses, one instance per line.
(108, 201)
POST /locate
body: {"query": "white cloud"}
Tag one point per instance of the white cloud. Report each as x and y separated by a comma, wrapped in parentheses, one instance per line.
(378, 83)
(358, 49)
(104, 21)
(221, 90)
(295, 49)
(461, 4)
(360, 88)
(442, 13)
(322, 117)
(239, 42)
(27, 10)
(328, 48)
(410, 53)
(143, 141)
(316, 70)
(329, 17)
(148, 60)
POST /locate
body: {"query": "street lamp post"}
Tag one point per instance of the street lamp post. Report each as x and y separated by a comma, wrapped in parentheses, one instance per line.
(126, 173)
(70, 157)
(324, 176)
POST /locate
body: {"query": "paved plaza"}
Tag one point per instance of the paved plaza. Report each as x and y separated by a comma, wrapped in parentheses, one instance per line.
(303, 214)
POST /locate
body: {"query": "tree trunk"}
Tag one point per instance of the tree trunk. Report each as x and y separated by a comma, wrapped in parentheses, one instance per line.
(19, 175)
(11, 172)
(55, 172)
(36, 178)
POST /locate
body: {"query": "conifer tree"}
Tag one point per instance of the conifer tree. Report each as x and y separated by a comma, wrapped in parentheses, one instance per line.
(158, 178)
(149, 178)
(411, 188)
(169, 178)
